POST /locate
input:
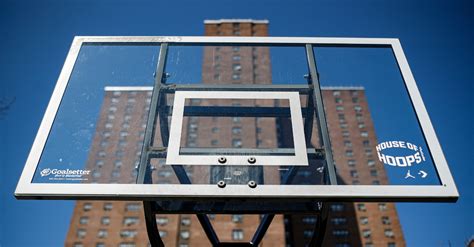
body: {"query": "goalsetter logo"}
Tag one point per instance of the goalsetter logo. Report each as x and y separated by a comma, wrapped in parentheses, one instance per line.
(64, 174)
(415, 156)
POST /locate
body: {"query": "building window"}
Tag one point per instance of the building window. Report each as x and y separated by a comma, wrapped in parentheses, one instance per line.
(370, 163)
(236, 48)
(119, 154)
(349, 153)
(361, 125)
(236, 119)
(368, 244)
(215, 129)
(374, 173)
(236, 67)
(339, 220)
(161, 221)
(118, 163)
(368, 152)
(376, 182)
(389, 233)
(133, 207)
(127, 245)
(358, 108)
(96, 174)
(361, 207)
(100, 245)
(214, 142)
(81, 233)
(105, 220)
(340, 233)
(87, 207)
(386, 220)
(108, 125)
(355, 182)
(366, 233)
(185, 221)
(99, 163)
(366, 143)
(339, 108)
(236, 130)
(347, 143)
(351, 163)
(364, 134)
(102, 233)
(117, 93)
(336, 93)
(338, 100)
(101, 154)
(337, 207)
(382, 206)
(343, 125)
(236, 143)
(237, 218)
(237, 234)
(164, 173)
(345, 133)
(391, 244)
(308, 234)
(217, 76)
(354, 174)
(355, 100)
(128, 233)
(236, 58)
(84, 220)
(184, 234)
(130, 221)
(106, 134)
(108, 206)
(364, 220)
(163, 233)
(310, 220)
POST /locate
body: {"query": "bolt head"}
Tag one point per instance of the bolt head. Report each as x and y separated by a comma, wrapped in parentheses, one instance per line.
(252, 184)
(221, 184)
(222, 160)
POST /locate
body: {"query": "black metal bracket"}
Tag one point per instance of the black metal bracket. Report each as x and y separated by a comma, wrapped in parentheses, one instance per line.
(314, 107)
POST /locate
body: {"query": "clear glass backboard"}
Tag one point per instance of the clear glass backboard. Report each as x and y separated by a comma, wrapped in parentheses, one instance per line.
(253, 118)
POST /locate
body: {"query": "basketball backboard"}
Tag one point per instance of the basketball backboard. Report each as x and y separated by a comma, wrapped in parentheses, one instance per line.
(253, 118)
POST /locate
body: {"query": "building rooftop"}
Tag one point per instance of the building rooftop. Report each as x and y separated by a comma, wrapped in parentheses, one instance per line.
(236, 20)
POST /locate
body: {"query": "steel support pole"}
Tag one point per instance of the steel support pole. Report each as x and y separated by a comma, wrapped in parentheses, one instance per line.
(321, 115)
(144, 171)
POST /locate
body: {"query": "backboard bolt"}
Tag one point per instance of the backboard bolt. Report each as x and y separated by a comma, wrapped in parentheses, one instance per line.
(221, 184)
(222, 160)
(252, 160)
(252, 184)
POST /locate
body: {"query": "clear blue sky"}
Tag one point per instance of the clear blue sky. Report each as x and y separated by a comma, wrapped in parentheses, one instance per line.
(437, 37)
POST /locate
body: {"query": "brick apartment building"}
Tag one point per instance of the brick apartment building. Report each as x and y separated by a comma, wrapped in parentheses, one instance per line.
(116, 148)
